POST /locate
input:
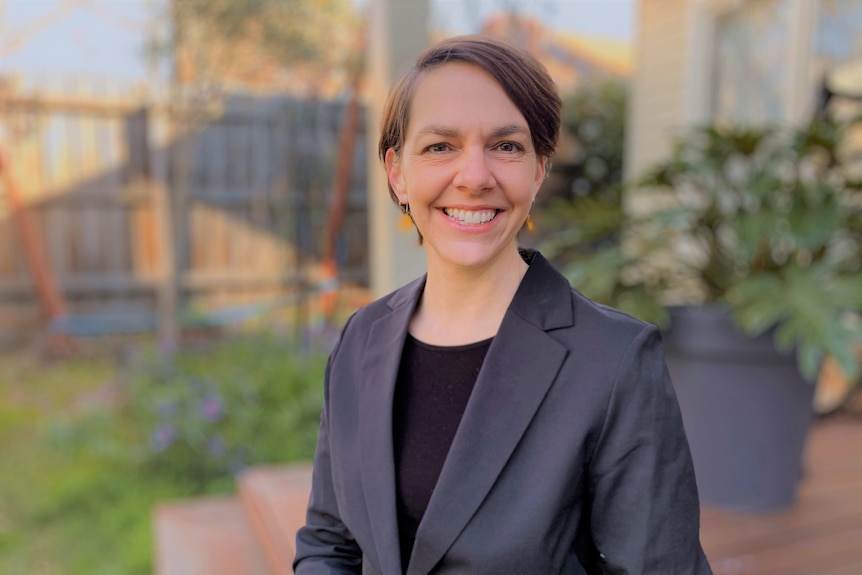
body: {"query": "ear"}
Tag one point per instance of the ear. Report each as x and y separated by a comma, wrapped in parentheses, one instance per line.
(393, 172)
(542, 167)
(541, 171)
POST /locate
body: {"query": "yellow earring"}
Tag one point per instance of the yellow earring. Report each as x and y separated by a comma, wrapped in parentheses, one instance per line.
(530, 224)
(405, 222)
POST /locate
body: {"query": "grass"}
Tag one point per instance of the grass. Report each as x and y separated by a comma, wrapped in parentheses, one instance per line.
(78, 475)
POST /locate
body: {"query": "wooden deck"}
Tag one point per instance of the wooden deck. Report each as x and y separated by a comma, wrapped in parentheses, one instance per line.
(820, 535)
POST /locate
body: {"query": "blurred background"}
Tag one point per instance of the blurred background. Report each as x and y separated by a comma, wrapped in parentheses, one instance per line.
(191, 206)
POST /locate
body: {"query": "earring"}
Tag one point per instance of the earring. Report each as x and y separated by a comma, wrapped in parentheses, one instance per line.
(530, 224)
(405, 222)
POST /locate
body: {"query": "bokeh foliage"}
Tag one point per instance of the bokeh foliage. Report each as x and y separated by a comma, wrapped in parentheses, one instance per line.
(253, 42)
(81, 469)
(766, 221)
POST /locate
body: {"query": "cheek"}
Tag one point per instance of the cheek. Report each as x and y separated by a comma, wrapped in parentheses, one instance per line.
(420, 177)
(529, 178)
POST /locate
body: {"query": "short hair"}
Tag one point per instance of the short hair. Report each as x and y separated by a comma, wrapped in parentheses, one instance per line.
(524, 79)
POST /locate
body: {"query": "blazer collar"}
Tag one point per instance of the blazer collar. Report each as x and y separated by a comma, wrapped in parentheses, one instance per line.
(544, 296)
(518, 370)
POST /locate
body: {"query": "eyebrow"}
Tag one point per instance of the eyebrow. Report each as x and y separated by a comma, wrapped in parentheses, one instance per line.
(446, 132)
(510, 130)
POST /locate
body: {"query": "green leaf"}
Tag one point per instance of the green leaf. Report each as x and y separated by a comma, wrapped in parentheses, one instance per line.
(807, 306)
(813, 228)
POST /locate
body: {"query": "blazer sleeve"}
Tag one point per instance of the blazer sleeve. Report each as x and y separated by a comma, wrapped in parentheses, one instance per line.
(644, 512)
(324, 545)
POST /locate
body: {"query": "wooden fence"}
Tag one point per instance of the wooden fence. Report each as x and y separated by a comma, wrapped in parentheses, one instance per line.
(222, 196)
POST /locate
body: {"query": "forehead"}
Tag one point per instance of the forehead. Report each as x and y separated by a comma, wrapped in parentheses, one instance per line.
(459, 95)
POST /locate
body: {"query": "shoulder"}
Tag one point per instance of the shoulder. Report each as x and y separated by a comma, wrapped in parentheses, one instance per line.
(406, 295)
(602, 319)
(600, 339)
(358, 327)
(605, 344)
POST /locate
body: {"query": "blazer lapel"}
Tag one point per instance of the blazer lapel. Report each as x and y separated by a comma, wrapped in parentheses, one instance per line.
(378, 375)
(520, 367)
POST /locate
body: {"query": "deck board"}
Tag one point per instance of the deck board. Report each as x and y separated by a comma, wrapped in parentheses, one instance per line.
(820, 535)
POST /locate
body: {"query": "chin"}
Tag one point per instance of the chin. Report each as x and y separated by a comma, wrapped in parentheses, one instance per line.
(471, 256)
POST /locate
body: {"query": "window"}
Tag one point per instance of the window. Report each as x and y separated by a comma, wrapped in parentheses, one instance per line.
(751, 62)
(838, 40)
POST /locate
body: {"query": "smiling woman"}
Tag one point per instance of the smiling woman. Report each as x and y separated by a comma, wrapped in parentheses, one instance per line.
(487, 418)
(468, 173)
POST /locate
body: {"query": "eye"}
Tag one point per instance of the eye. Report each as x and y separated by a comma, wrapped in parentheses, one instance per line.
(438, 147)
(510, 147)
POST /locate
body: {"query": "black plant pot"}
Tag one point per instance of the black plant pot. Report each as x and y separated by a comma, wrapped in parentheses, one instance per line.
(745, 406)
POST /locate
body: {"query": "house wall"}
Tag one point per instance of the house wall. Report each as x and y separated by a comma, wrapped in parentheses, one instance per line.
(674, 80)
(661, 82)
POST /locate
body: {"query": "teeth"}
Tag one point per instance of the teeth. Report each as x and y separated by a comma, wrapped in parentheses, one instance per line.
(470, 216)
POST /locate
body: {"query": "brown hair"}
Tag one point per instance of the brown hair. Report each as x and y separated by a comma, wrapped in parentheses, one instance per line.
(524, 79)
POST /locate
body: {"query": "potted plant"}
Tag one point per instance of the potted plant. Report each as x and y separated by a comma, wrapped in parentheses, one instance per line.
(751, 240)
(763, 228)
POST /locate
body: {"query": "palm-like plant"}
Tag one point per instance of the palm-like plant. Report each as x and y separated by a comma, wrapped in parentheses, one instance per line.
(767, 223)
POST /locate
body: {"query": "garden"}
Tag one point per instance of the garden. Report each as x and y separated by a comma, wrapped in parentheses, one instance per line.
(93, 441)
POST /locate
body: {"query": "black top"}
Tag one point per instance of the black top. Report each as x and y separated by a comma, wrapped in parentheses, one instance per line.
(434, 384)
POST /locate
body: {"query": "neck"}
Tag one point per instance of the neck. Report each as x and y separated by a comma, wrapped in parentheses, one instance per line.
(461, 305)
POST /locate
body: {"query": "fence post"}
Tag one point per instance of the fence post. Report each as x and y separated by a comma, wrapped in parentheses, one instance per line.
(51, 298)
(159, 145)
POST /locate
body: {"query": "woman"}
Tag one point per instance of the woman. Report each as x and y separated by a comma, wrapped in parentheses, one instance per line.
(487, 418)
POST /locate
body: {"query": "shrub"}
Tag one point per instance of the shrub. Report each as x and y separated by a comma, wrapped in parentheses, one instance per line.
(205, 415)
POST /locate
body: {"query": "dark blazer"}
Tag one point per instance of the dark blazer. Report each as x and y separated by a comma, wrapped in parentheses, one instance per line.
(570, 457)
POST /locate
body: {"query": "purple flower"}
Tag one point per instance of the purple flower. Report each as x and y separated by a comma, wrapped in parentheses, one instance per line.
(211, 408)
(162, 437)
(216, 446)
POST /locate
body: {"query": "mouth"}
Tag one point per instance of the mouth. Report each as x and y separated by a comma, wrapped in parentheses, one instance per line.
(470, 217)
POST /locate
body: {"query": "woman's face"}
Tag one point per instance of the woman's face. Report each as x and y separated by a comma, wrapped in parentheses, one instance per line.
(467, 167)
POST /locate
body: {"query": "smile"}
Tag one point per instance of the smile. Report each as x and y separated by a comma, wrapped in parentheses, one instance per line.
(470, 217)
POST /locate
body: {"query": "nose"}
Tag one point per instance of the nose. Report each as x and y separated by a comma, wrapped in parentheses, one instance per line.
(474, 171)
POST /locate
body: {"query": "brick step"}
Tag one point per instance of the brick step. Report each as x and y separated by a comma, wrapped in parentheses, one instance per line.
(206, 536)
(251, 534)
(274, 500)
